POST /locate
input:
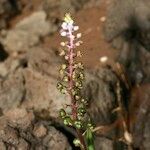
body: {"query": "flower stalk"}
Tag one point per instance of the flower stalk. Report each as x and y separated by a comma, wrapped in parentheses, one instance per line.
(71, 78)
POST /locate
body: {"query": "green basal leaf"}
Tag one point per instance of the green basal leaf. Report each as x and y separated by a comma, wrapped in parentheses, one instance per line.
(89, 139)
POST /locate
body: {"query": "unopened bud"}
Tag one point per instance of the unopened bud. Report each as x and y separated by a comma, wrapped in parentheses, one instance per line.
(77, 97)
(62, 53)
(63, 66)
(79, 54)
(65, 79)
(79, 35)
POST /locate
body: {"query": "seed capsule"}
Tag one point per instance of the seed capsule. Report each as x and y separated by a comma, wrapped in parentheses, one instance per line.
(59, 86)
(74, 92)
(68, 121)
(80, 117)
(62, 113)
(81, 76)
(78, 84)
(79, 54)
(76, 142)
(78, 124)
(84, 101)
(77, 97)
(63, 90)
(81, 110)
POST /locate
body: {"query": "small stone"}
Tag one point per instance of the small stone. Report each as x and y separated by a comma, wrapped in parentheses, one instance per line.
(103, 59)
(40, 131)
(103, 19)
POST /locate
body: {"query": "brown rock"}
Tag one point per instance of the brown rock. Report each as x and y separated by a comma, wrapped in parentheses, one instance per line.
(39, 135)
(7, 10)
(42, 94)
(27, 33)
(19, 118)
(11, 90)
(99, 91)
(40, 131)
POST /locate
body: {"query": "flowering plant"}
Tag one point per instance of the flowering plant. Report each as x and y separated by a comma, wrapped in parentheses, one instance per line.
(71, 82)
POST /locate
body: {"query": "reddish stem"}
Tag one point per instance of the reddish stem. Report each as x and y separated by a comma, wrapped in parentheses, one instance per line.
(71, 85)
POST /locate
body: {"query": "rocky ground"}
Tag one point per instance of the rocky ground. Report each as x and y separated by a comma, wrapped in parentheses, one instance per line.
(29, 63)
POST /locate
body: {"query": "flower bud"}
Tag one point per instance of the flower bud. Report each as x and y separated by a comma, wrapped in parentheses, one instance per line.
(79, 116)
(61, 72)
(79, 54)
(63, 66)
(80, 65)
(78, 43)
(62, 53)
(65, 79)
(79, 35)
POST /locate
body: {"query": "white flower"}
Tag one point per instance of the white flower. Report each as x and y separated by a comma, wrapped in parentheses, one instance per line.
(72, 36)
(64, 25)
(77, 44)
(63, 33)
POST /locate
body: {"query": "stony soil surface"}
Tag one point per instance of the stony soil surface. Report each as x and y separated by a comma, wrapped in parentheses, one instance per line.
(29, 63)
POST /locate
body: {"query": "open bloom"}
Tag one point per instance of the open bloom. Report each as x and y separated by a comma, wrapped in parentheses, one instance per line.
(68, 25)
(67, 30)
